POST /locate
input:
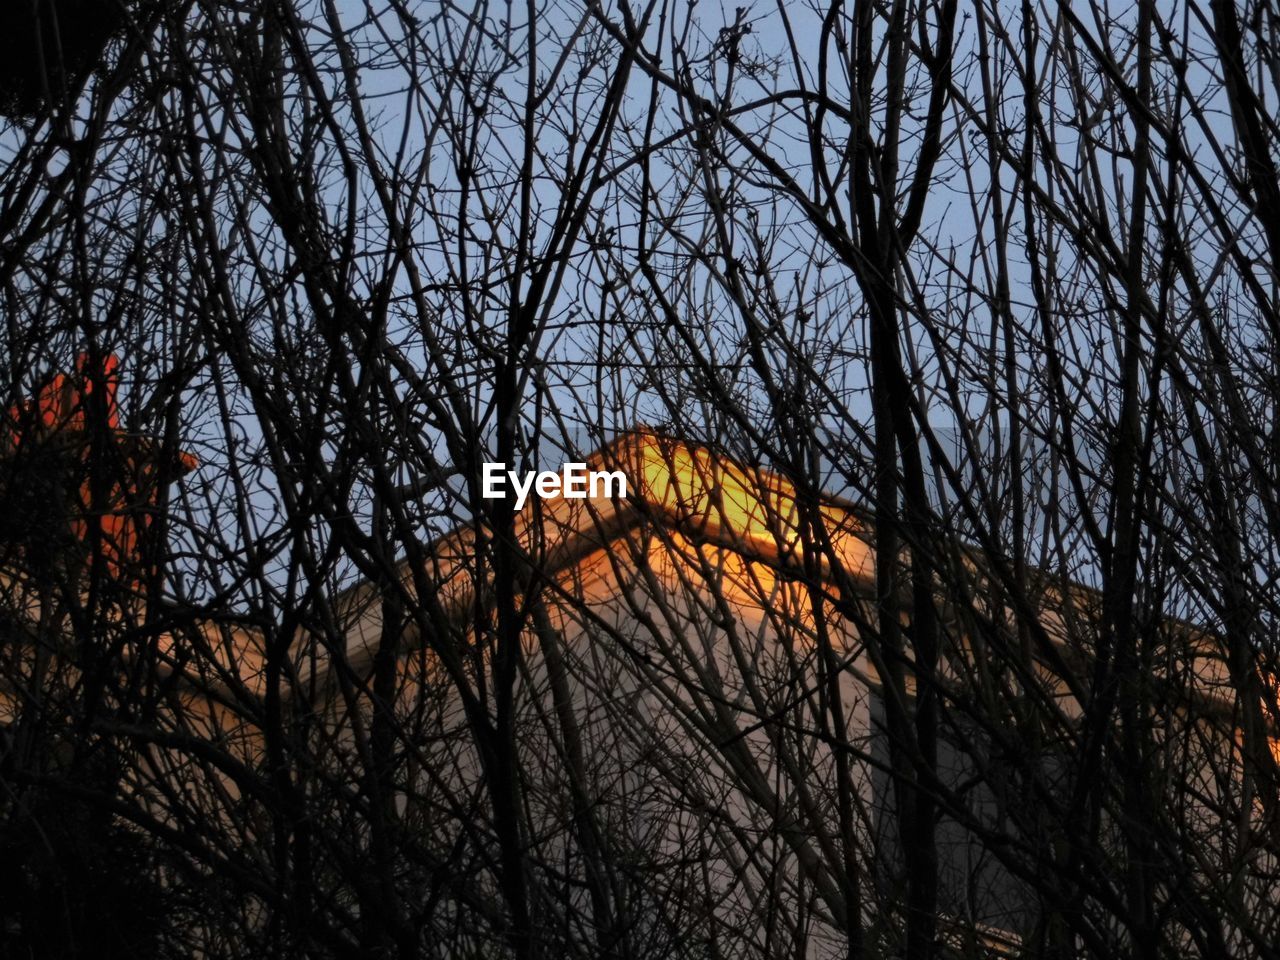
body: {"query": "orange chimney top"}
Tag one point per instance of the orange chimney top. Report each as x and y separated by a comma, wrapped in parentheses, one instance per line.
(77, 414)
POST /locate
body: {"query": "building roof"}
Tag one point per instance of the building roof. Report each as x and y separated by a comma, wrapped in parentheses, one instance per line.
(677, 486)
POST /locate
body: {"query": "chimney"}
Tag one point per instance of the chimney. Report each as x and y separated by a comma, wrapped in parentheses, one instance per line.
(79, 492)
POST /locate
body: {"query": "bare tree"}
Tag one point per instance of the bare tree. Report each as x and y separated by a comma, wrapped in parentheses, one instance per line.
(941, 623)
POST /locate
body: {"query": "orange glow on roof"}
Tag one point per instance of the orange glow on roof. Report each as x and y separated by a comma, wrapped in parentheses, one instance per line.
(746, 508)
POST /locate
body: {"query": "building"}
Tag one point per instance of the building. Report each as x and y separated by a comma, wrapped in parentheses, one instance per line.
(698, 757)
